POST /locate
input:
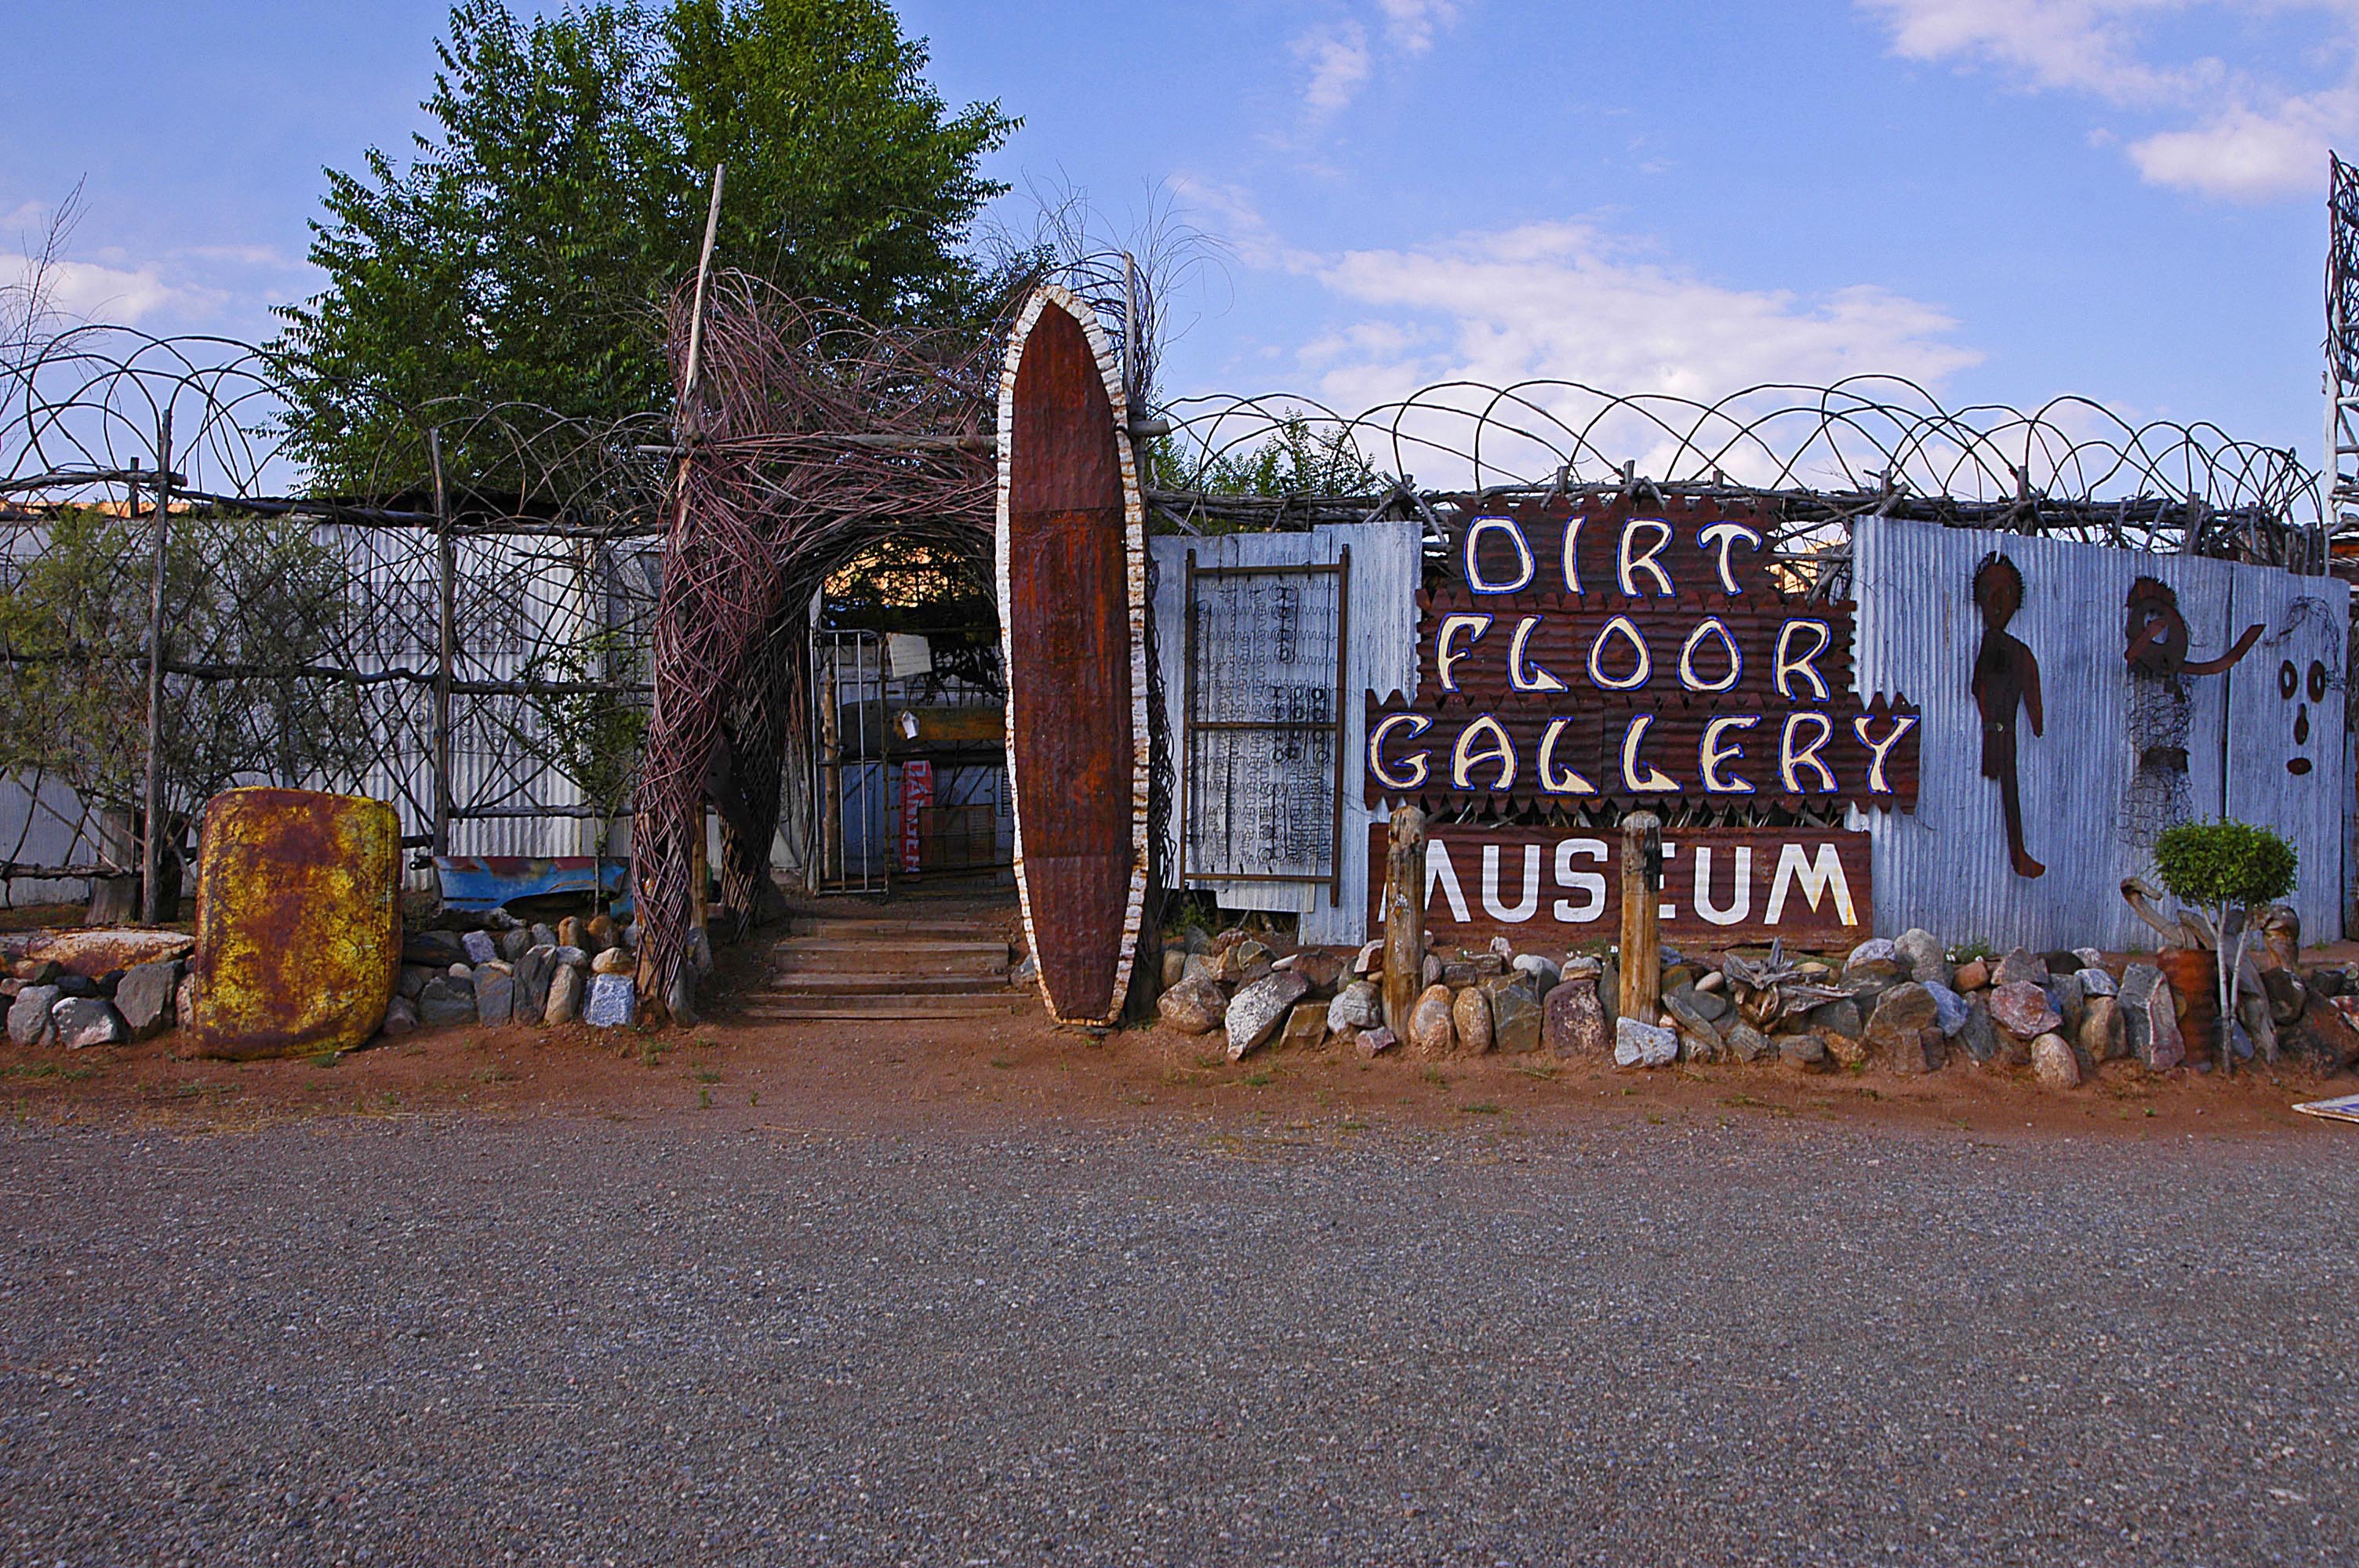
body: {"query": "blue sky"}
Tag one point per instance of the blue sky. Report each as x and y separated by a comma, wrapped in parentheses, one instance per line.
(2007, 200)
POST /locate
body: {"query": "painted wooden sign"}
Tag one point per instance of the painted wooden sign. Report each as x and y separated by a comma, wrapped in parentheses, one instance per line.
(1072, 574)
(1546, 887)
(1611, 653)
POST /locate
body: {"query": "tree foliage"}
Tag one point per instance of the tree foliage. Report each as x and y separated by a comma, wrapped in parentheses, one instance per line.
(2213, 864)
(523, 252)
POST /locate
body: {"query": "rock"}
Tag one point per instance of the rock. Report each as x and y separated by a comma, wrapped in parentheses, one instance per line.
(1637, 1044)
(1360, 1005)
(1544, 972)
(542, 936)
(1714, 983)
(1195, 1006)
(412, 980)
(2287, 995)
(480, 946)
(1840, 1019)
(1850, 1053)
(2023, 1010)
(2019, 967)
(2095, 982)
(570, 957)
(1812, 971)
(1609, 989)
(2104, 1033)
(78, 986)
(1175, 966)
(1921, 951)
(600, 928)
(495, 995)
(1950, 1010)
(1804, 1050)
(1244, 963)
(1255, 1012)
(1710, 1006)
(1516, 1018)
(1582, 967)
(1373, 1042)
(532, 972)
(1978, 1037)
(1320, 965)
(566, 984)
(446, 1000)
(1370, 958)
(1200, 966)
(1470, 1014)
(1429, 973)
(1432, 1031)
(1502, 946)
(1305, 1027)
(1971, 975)
(434, 949)
(2323, 1039)
(1702, 1039)
(2151, 1016)
(513, 942)
(84, 1020)
(400, 1018)
(1747, 1043)
(613, 1002)
(143, 998)
(1904, 1017)
(2326, 982)
(1572, 1021)
(184, 999)
(1676, 975)
(29, 1016)
(2065, 994)
(2053, 1062)
(1493, 962)
(1459, 973)
(1028, 973)
(461, 972)
(39, 971)
(1875, 960)
(613, 961)
(571, 931)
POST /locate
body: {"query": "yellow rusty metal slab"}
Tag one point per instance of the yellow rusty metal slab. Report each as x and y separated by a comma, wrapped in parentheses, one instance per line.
(298, 922)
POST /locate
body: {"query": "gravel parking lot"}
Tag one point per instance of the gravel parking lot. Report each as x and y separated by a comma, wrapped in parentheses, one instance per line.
(717, 1337)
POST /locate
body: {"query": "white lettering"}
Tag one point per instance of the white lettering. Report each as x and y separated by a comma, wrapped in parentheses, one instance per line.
(1517, 913)
(1525, 566)
(1591, 885)
(1732, 913)
(1631, 563)
(1823, 875)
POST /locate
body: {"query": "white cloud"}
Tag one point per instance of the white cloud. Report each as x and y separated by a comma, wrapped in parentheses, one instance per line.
(2243, 133)
(1339, 56)
(123, 297)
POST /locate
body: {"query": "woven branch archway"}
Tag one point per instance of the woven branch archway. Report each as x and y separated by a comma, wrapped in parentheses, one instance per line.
(812, 438)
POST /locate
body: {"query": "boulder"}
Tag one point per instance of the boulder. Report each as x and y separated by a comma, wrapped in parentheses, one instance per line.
(2288, 996)
(2088, 958)
(1175, 966)
(1195, 1006)
(613, 961)
(1431, 1031)
(1255, 1012)
(496, 993)
(1950, 1009)
(1839, 1020)
(400, 1018)
(1978, 1037)
(2326, 982)
(1494, 962)
(433, 949)
(2150, 1014)
(600, 929)
(1581, 967)
(1371, 1043)
(1804, 1050)
(532, 973)
(2023, 1010)
(1320, 965)
(572, 931)
(446, 1000)
(613, 1002)
(1459, 973)
(1516, 1018)
(144, 997)
(1200, 966)
(2065, 993)
(1359, 1005)
(1849, 1052)
(84, 1020)
(1572, 1021)
(1429, 972)
(1470, 1014)
(1305, 1027)
(1747, 1043)
(412, 980)
(2022, 967)
(1244, 963)
(2323, 1039)
(1370, 960)
(2104, 1034)
(1907, 1028)
(1922, 952)
(1544, 971)
(1702, 1037)
(1637, 1044)
(2095, 981)
(1971, 975)
(184, 999)
(482, 947)
(513, 942)
(1876, 958)
(1609, 989)
(2053, 1064)
(543, 936)
(566, 984)
(29, 1016)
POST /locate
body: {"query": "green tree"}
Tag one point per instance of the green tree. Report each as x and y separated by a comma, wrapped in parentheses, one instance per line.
(524, 250)
(2227, 870)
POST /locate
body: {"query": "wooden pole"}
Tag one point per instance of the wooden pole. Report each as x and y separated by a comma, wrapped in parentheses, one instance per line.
(151, 853)
(1404, 917)
(446, 642)
(1642, 932)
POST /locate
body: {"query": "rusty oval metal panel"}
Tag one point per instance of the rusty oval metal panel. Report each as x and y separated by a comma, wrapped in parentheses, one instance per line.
(298, 922)
(1072, 582)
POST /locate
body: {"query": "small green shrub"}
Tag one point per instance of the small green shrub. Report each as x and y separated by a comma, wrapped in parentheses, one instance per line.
(2211, 864)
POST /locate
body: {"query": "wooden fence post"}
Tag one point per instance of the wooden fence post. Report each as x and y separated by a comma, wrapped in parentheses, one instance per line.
(1404, 917)
(151, 852)
(1642, 935)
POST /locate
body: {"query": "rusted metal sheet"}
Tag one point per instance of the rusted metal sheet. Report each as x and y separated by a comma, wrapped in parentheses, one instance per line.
(1071, 564)
(298, 922)
(1554, 888)
(90, 954)
(2122, 751)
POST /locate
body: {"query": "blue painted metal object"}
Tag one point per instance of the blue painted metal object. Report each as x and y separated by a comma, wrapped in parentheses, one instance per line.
(494, 882)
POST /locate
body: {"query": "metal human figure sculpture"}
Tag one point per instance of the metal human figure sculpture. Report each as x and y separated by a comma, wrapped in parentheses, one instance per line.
(2155, 645)
(2006, 677)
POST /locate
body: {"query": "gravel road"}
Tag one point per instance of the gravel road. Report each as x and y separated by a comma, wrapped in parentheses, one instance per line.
(698, 1338)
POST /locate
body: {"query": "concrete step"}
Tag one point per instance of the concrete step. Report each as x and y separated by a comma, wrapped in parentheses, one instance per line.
(871, 1010)
(888, 957)
(798, 983)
